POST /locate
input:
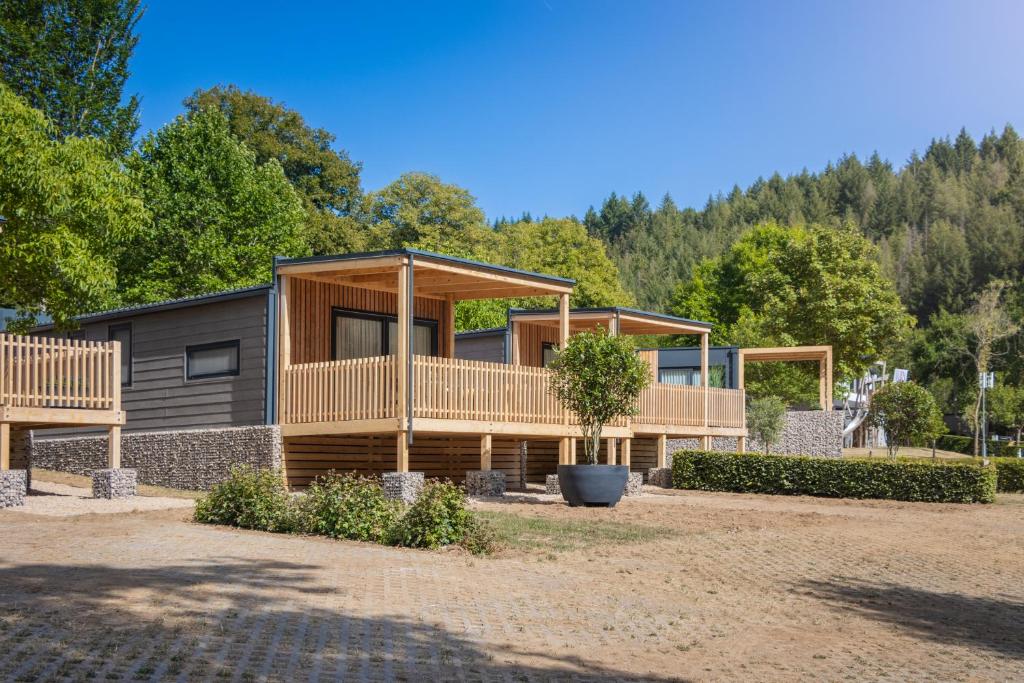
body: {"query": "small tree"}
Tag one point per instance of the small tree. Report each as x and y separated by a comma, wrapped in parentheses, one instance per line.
(1007, 403)
(906, 411)
(598, 377)
(765, 419)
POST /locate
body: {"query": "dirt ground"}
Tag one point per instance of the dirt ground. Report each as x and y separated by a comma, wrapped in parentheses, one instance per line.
(737, 587)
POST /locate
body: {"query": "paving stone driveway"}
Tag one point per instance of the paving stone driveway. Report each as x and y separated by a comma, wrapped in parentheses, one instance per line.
(744, 588)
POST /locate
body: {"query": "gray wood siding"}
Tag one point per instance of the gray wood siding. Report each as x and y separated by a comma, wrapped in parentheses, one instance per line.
(160, 398)
(490, 348)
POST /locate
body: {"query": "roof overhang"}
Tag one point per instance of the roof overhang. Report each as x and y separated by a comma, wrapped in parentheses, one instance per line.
(786, 353)
(630, 321)
(435, 276)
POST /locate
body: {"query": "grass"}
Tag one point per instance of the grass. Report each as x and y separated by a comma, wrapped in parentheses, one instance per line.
(905, 452)
(54, 477)
(559, 535)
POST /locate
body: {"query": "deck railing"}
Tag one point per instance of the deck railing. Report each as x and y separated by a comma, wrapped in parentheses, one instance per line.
(336, 391)
(456, 389)
(40, 372)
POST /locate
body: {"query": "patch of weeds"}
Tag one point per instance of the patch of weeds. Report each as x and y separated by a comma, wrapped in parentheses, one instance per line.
(561, 535)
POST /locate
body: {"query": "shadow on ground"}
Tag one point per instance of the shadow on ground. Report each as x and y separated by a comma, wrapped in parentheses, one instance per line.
(986, 622)
(235, 620)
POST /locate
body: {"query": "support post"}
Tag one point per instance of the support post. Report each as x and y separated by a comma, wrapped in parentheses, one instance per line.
(705, 380)
(284, 347)
(565, 455)
(450, 323)
(402, 369)
(662, 449)
(114, 447)
(624, 457)
(5, 446)
(741, 444)
(705, 443)
(485, 452)
(825, 380)
(515, 355)
(609, 447)
(572, 451)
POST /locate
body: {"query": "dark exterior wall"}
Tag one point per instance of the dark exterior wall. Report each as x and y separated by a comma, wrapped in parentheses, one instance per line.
(160, 398)
(689, 357)
(485, 347)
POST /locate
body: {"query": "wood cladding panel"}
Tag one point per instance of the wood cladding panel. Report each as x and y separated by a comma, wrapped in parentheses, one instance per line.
(531, 339)
(309, 315)
(308, 457)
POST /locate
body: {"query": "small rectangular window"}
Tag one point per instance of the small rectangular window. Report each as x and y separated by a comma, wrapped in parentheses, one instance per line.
(548, 353)
(123, 333)
(206, 361)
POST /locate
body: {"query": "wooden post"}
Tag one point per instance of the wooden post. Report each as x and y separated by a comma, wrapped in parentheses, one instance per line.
(515, 355)
(609, 447)
(572, 451)
(565, 448)
(284, 347)
(741, 444)
(485, 452)
(662, 449)
(402, 368)
(114, 447)
(741, 441)
(565, 451)
(450, 323)
(825, 380)
(705, 380)
(5, 446)
(705, 443)
(115, 377)
(625, 455)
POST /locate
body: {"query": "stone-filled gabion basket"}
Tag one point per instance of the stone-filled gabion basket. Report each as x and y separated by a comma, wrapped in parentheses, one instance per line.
(13, 487)
(116, 483)
(485, 483)
(634, 484)
(403, 486)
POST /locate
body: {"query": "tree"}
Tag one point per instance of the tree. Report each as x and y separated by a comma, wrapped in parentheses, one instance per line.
(69, 58)
(65, 207)
(326, 178)
(420, 211)
(779, 286)
(598, 377)
(219, 218)
(1007, 406)
(906, 412)
(766, 419)
(989, 323)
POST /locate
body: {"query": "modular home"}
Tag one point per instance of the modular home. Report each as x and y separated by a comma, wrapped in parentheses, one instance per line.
(350, 363)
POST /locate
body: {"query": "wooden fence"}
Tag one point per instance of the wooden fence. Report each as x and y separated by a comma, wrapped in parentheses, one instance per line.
(357, 389)
(40, 372)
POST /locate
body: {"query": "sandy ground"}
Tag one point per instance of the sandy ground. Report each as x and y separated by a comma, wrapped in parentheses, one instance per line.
(737, 587)
(61, 500)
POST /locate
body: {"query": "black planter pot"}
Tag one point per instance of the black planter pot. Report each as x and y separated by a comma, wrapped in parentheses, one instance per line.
(592, 485)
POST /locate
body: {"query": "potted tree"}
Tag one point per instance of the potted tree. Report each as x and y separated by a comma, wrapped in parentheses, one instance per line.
(598, 378)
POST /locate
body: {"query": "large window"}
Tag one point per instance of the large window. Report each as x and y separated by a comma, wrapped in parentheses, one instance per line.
(357, 334)
(123, 333)
(207, 361)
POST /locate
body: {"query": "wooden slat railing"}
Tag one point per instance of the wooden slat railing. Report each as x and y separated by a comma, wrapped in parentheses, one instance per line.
(40, 372)
(726, 408)
(671, 404)
(456, 389)
(336, 391)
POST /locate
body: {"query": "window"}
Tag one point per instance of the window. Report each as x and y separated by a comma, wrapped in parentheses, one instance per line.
(547, 353)
(206, 361)
(123, 333)
(691, 376)
(357, 334)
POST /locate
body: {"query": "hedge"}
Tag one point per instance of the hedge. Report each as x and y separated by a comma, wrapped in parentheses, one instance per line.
(1011, 474)
(965, 445)
(834, 477)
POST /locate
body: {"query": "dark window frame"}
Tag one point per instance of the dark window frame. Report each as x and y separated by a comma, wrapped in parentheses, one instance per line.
(545, 346)
(111, 329)
(385, 336)
(236, 344)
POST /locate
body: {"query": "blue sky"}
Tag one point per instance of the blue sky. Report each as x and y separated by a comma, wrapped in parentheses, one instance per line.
(547, 106)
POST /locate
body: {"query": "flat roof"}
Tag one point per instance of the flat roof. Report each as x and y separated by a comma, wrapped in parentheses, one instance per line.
(631, 320)
(166, 305)
(281, 260)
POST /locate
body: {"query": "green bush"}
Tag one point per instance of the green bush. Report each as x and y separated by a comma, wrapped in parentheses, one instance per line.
(349, 507)
(834, 477)
(440, 517)
(965, 445)
(250, 499)
(1011, 474)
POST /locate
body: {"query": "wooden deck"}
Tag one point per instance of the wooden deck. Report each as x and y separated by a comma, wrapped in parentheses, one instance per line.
(46, 382)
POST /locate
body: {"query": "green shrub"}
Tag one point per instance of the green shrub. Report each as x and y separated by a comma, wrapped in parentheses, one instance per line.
(440, 517)
(347, 506)
(965, 445)
(1011, 474)
(834, 477)
(250, 499)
